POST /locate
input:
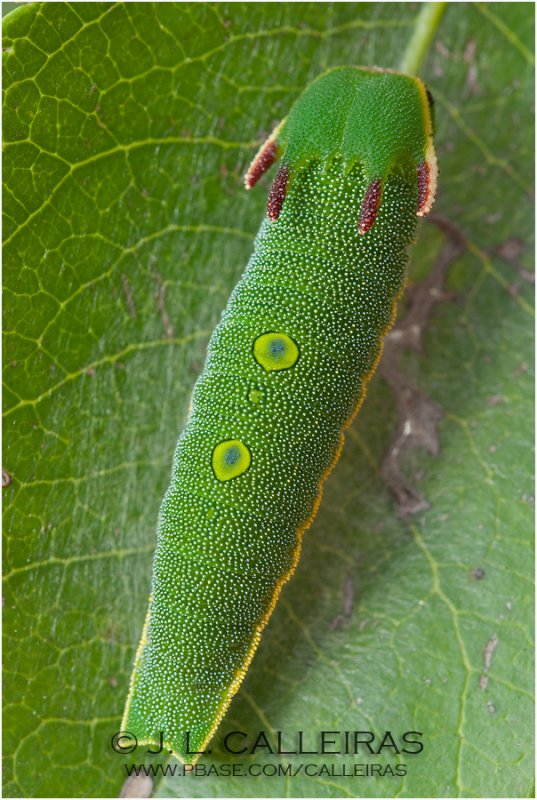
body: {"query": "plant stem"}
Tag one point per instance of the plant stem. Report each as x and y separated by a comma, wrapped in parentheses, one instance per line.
(426, 24)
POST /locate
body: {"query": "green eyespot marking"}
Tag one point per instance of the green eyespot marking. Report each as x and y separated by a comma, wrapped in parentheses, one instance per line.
(230, 459)
(274, 351)
(255, 396)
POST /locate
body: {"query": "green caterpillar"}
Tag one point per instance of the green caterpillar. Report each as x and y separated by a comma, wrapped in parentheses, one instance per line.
(285, 374)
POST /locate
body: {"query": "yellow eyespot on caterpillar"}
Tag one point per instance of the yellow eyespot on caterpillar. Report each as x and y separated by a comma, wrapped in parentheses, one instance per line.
(230, 459)
(275, 351)
(255, 396)
(269, 411)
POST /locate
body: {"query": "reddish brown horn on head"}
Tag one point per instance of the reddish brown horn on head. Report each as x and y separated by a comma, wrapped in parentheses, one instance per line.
(427, 176)
(264, 159)
(370, 206)
(278, 192)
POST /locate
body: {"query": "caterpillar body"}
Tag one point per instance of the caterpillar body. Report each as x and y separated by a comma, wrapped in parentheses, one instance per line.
(285, 374)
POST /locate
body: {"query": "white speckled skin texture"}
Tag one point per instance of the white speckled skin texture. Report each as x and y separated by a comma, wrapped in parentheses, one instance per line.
(226, 546)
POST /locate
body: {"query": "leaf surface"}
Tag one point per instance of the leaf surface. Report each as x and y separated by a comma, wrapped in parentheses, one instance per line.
(127, 130)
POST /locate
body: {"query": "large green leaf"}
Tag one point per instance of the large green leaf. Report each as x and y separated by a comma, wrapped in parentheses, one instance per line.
(127, 128)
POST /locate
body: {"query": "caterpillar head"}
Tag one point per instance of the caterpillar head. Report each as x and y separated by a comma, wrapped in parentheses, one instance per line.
(378, 118)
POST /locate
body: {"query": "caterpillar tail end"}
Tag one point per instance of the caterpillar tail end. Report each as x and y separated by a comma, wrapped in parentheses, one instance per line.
(179, 720)
(188, 749)
(185, 739)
